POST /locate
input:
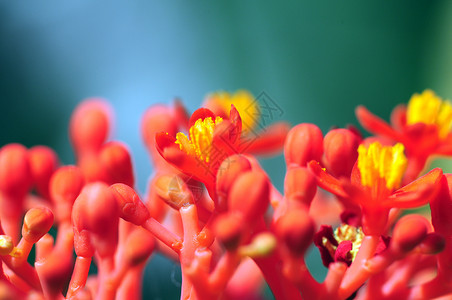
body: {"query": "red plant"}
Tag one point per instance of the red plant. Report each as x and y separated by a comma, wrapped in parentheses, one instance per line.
(211, 207)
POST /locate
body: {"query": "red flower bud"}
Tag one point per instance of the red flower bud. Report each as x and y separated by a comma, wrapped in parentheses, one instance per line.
(341, 151)
(43, 162)
(228, 228)
(65, 186)
(296, 230)
(140, 244)
(174, 191)
(15, 174)
(300, 185)
(409, 232)
(96, 212)
(90, 125)
(250, 195)
(228, 172)
(304, 143)
(37, 222)
(131, 208)
(117, 163)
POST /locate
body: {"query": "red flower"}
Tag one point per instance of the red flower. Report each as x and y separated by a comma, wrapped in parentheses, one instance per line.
(423, 127)
(374, 183)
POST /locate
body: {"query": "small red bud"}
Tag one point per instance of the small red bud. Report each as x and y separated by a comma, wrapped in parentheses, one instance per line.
(131, 208)
(37, 222)
(117, 163)
(304, 143)
(296, 230)
(250, 195)
(300, 185)
(43, 162)
(409, 232)
(174, 191)
(228, 172)
(15, 173)
(65, 186)
(90, 125)
(341, 151)
(95, 210)
(228, 228)
(140, 244)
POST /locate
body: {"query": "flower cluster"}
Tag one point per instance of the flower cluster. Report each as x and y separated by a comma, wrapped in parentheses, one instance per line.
(211, 207)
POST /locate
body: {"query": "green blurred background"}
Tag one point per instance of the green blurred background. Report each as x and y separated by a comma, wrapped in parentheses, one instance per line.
(317, 60)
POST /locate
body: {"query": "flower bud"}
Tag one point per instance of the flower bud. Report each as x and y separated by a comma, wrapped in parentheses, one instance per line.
(304, 143)
(37, 222)
(262, 245)
(131, 208)
(15, 174)
(6, 244)
(250, 195)
(65, 186)
(300, 185)
(95, 217)
(158, 118)
(409, 232)
(228, 228)
(140, 244)
(174, 191)
(43, 162)
(341, 151)
(228, 172)
(117, 163)
(90, 125)
(433, 243)
(296, 230)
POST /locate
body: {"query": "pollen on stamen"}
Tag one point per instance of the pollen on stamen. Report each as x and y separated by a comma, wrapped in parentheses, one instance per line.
(200, 138)
(428, 108)
(378, 163)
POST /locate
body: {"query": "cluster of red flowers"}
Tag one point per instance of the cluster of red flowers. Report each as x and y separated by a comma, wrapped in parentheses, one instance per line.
(210, 206)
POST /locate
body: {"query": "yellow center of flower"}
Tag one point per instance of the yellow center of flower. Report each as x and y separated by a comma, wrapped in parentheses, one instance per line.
(345, 232)
(381, 165)
(201, 135)
(428, 108)
(245, 104)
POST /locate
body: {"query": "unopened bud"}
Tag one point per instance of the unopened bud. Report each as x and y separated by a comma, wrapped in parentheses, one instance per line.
(304, 143)
(37, 222)
(433, 243)
(228, 228)
(174, 191)
(90, 125)
(65, 186)
(6, 244)
(15, 174)
(341, 151)
(140, 244)
(262, 245)
(296, 230)
(300, 185)
(409, 232)
(250, 195)
(131, 208)
(117, 163)
(228, 172)
(43, 162)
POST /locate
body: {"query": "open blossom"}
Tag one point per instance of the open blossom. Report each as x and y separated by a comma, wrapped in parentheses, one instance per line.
(374, 184)
(423, 127)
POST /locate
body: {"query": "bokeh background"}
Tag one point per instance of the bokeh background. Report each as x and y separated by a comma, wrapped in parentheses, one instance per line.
(316, 59)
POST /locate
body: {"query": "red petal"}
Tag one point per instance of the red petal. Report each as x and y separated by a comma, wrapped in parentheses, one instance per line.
(341, 254)
(200, 113)
(326, 181)
(398, 117)
(269, 141)
(376, 125)
(235, 119)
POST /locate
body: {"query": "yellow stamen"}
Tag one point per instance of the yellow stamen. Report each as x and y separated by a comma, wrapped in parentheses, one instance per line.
(243, 101)
(7, 246)
(428, 108)
(378, 163)
(345, 232)
(201, 135)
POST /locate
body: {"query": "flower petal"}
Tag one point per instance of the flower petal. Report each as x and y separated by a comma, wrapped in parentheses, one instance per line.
(326, 181)
(376, 125)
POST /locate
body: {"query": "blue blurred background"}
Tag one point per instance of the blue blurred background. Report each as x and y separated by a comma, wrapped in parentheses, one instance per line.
(317, 60)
